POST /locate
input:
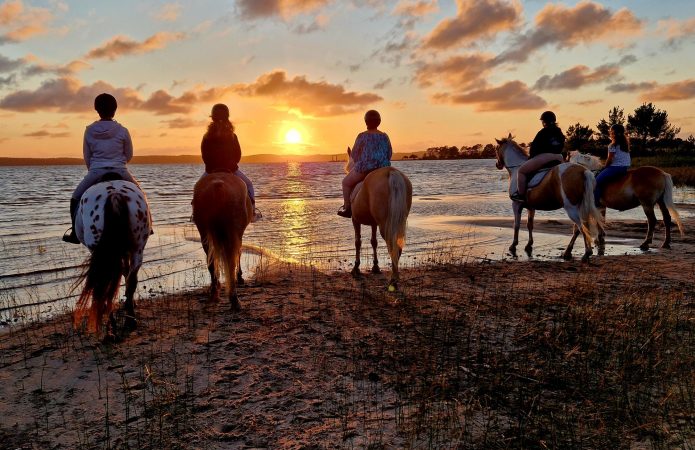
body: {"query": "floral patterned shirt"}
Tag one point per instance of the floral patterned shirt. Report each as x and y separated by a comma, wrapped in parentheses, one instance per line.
(371, 151)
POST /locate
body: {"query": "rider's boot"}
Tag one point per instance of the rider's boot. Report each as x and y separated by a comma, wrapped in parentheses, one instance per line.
(71, 237)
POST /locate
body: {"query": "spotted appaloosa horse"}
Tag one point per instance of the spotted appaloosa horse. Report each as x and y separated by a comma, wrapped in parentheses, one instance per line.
(113, 222)
(222, 210)
(382, 200)
(644, 186)
(569, 186)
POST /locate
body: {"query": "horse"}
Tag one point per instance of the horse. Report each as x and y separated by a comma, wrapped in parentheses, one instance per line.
(644, 186)
(113, 221)
(566, 185)
(382, 200)
(222, 210)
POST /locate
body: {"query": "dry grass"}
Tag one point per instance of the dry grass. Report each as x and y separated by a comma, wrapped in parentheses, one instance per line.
(467, 355)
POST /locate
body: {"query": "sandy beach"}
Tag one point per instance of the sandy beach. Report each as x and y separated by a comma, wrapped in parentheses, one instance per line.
(468, 353)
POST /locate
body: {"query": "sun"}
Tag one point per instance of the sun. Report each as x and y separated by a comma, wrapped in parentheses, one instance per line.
(293, 136)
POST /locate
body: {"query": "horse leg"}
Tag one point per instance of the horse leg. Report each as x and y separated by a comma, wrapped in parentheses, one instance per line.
(567, 256)
(214, 294)
(651, 224)
(516, 206)
(131, 283)
(374, 242)
(529, 224)
(358, 245)
(667, 223)
(601, 240)
(239, 278)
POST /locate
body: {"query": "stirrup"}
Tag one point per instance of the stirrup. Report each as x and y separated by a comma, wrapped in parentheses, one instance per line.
(70, 236)
(518, 197)
(256, 215)
(345, 212)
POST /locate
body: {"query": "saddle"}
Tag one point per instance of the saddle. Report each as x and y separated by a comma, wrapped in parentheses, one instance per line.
(110, 176)
(535, 178)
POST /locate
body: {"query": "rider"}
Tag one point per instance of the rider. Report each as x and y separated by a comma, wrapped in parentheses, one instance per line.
(617, 162)
(221, 150)
(546, 147)
(371, 151)
(107, 148)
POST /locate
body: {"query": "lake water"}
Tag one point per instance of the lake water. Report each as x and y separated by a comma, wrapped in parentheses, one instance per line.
(298, 201)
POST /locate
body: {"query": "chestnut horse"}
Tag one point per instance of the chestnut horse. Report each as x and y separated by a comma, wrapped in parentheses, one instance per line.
(569, 186)
(644, 186)
(382, 200)
(113, 222)
(222, 210)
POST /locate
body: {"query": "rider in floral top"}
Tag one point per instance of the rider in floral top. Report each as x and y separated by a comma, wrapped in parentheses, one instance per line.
(371, 151)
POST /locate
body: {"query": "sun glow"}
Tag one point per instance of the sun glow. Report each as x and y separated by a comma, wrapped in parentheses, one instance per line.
(293, 136)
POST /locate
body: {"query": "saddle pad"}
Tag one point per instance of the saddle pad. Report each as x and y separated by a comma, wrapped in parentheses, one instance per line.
(538, 177)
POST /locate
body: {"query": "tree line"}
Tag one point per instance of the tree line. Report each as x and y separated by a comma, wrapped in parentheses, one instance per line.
(649, 129)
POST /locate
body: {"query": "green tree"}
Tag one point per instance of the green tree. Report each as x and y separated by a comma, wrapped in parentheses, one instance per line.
(578, 137)
(616, 116)
(649, 125)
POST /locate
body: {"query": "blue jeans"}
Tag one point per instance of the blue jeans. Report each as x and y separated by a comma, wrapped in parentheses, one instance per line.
(94, 176)
(607, 175)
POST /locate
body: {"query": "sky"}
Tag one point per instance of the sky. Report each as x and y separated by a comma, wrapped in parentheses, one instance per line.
(298, 75)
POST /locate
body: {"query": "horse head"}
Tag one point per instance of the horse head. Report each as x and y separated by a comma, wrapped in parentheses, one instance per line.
(350, 162)
(509, 154)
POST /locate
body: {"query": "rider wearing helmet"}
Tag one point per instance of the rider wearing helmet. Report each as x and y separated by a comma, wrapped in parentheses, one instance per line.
(546, 147)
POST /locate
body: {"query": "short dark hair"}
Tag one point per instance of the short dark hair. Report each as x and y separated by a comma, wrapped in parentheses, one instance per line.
(106, 105)
(549, 117)
(372, 118)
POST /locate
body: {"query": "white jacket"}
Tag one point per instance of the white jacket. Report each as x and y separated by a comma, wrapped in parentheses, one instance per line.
(106, 144)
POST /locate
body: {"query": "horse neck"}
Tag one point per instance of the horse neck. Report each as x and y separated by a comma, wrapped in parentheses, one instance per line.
(513, 158)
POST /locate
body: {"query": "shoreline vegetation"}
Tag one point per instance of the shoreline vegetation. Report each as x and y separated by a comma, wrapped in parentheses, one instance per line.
(468, 354)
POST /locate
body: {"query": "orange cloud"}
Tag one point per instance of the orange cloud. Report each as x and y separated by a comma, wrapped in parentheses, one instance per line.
(631, 87)
(415, 8)
(513, 95)
(460, 72)
(44, 133)
(22, 23)
(578, 76)
(676, 31)
(306, 97)
(680, 90)
(121, 45)
(475, 20)
(168, 12)
(565, 27)
(286, 9)
(67, 94)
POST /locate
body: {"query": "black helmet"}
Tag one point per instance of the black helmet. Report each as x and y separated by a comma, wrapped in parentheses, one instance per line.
(548, 117)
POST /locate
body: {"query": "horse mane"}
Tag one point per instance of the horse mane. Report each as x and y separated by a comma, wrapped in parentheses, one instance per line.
(517, 147)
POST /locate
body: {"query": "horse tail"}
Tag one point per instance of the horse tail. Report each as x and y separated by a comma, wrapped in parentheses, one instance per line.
(592, 222)
(668, 201)
(398, 210)
(109, 260)
(224, 245)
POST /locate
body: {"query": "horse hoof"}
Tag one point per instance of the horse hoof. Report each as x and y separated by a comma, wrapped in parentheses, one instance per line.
(240, 281)
(356, 272)
(666, 246)
(130, 323)
(376, 269)
(644, 247)
(528, 250)
(234, 300)
(567, 256)
(512, 250)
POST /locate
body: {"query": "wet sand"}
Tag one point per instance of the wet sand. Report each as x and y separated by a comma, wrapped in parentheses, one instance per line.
(324, 360)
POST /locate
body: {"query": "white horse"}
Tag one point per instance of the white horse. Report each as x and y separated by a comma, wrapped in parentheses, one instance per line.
(569, 186)
(113, 222)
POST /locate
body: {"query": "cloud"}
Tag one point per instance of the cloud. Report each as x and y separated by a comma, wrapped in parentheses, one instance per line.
(10, 80)
(169, 12)
(631, 87)
(299, 95)
(122, 45)
(578, 76)
(566, 27)
(513, 95)
(680, 90)
(383, 83)
(459, 72)
(317, 24)
(8, 65)
(415, 8)
(40, 68)
(475, 20)
(676, 31)
(184, 122)
(47, 134)
(285, 9)
(67, 94)
(22, 23)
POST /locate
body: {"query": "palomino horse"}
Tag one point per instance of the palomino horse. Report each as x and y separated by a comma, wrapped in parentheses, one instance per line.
(113, 222)
(222, 210)
(646, 186)
(383, 199)
(568, 186)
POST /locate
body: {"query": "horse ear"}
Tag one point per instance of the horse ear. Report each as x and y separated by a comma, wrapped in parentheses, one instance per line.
(510, 136)
(498, 141)
(349, 151)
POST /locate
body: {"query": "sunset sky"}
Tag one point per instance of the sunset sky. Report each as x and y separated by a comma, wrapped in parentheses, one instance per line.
(298, 75)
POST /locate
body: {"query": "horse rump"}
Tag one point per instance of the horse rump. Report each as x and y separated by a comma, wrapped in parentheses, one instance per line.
(109, 259)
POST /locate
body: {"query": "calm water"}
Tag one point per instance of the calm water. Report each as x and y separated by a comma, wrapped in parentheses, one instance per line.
(298, 201)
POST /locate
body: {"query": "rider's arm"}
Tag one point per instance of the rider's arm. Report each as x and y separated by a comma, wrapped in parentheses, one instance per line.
(128, 147)
(86, 151)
